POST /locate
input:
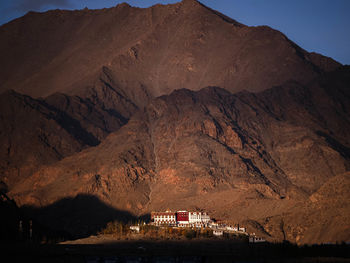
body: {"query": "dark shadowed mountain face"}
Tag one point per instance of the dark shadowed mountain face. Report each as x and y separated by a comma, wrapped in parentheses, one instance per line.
(150, 109)
(158, 49)
(36, 132)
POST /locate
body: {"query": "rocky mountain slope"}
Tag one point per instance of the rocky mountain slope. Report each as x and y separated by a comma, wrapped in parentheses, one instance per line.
(178, 107)
(239, 156)
(41, 131)
(159, 49)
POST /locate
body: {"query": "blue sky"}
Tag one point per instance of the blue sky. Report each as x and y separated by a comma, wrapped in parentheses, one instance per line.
(322, 26)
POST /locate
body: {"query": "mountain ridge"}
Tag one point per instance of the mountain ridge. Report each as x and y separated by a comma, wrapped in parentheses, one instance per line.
(142, 45)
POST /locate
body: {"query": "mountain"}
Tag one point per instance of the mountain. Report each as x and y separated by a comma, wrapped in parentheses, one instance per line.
(157, 49)
(239, 156)
(41, 131)
(174, 106)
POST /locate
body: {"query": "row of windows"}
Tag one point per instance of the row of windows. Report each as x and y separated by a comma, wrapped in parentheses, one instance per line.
(173, 219)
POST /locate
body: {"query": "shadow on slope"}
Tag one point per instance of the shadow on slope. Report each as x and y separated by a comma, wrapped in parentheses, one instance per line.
(9, 216)
(77, 217)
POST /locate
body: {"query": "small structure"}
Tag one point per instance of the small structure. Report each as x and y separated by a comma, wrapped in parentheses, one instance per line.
(218, 232)
(241, 229)
(213, 224)
(135, 228)
(255, 239)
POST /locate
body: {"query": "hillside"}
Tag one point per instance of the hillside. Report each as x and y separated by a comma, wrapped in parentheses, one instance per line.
(157, 49)
(40, 131)
(239, 156)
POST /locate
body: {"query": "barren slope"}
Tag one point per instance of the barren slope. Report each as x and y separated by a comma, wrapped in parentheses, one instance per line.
(36, 132)
(158, 49)
(239, 156)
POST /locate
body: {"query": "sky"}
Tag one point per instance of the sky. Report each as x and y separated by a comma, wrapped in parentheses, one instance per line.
(321, 26)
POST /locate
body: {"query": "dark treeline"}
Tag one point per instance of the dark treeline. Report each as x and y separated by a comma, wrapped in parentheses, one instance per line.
(121, 230)
(16, 226)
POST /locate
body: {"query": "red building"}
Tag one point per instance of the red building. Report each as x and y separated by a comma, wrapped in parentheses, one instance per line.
(182, 217)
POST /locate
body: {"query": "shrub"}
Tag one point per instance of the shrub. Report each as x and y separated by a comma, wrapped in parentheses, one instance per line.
(116, 228)
(190, 234)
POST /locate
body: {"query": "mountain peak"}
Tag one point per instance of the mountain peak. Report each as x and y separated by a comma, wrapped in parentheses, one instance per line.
(180, 38)
(190, 1)
(122, 5)
(196, 5)
(192, 4)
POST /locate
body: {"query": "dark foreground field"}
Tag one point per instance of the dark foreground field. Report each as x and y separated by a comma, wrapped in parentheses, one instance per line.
(175, 251)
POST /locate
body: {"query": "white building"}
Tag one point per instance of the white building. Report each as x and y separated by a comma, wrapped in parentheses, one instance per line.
(218, 233)
(255, 239)
(181, 219)
(164, 218)
(198, 219)
(135, 228)
(242, 229)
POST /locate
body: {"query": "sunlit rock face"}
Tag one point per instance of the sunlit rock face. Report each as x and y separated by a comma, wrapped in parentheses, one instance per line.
(158, 49)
